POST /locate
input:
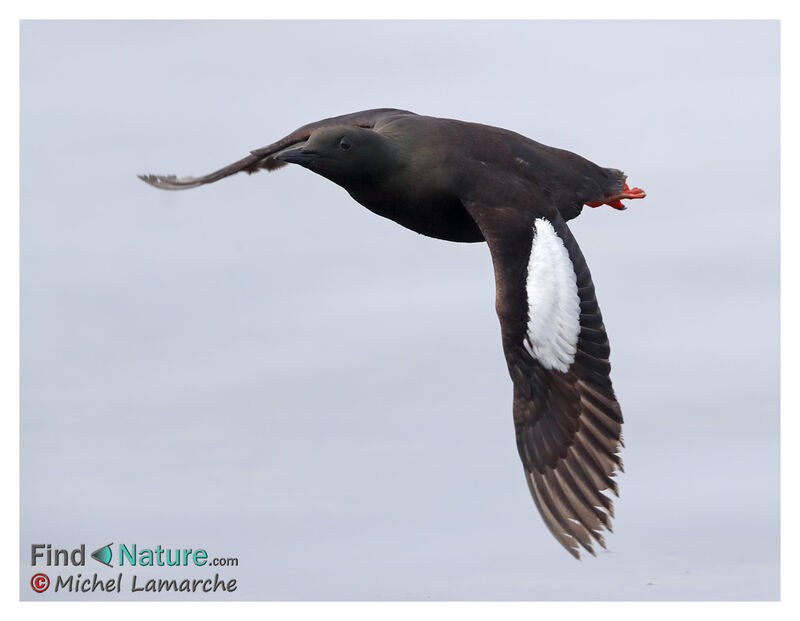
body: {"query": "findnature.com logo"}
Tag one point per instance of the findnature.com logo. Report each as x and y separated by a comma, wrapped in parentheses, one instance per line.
(127, 556)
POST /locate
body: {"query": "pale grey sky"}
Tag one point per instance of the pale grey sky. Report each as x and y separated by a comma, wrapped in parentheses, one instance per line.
(265, 369)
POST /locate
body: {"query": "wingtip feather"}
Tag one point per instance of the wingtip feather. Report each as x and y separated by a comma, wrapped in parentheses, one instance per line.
(170, 182)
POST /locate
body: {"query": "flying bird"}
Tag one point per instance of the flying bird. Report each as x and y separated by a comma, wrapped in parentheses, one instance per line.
(467, 182)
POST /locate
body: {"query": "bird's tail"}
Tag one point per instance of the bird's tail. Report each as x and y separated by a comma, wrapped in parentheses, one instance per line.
(616, 190)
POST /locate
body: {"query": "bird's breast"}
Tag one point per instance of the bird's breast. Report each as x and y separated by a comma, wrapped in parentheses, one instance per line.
(440, 216)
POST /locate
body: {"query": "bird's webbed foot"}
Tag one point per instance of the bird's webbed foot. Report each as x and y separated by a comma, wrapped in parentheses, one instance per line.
(615, 200)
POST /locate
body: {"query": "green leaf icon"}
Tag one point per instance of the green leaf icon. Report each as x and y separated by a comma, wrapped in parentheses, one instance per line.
(103, 555)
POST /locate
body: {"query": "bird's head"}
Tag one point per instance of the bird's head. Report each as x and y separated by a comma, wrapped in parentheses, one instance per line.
(347, 155)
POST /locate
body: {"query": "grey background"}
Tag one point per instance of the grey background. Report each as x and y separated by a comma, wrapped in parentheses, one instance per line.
(265, 369)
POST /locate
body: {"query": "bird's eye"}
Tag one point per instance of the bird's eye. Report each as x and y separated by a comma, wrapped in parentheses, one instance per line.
(344, 144)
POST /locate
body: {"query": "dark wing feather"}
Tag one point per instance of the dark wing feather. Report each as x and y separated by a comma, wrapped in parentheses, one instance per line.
(249, 164)
(568, 424)
(264, 158)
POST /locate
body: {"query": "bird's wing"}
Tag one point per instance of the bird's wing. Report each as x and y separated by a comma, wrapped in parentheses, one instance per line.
(264, 158)
(567, 420)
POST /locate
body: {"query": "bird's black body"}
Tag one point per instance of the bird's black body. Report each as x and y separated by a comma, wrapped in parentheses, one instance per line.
(466, 182)
(459, 159)
(441, 216)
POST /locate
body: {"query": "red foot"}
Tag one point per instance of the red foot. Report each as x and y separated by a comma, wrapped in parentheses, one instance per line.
(614, 200)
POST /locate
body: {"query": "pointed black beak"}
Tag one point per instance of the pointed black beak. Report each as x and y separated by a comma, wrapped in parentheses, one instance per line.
(300, 155)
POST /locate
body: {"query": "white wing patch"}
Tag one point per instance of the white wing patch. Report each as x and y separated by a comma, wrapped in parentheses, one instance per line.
(553, 303)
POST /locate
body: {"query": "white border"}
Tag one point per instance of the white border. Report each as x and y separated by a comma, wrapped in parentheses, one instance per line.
(608, 9)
